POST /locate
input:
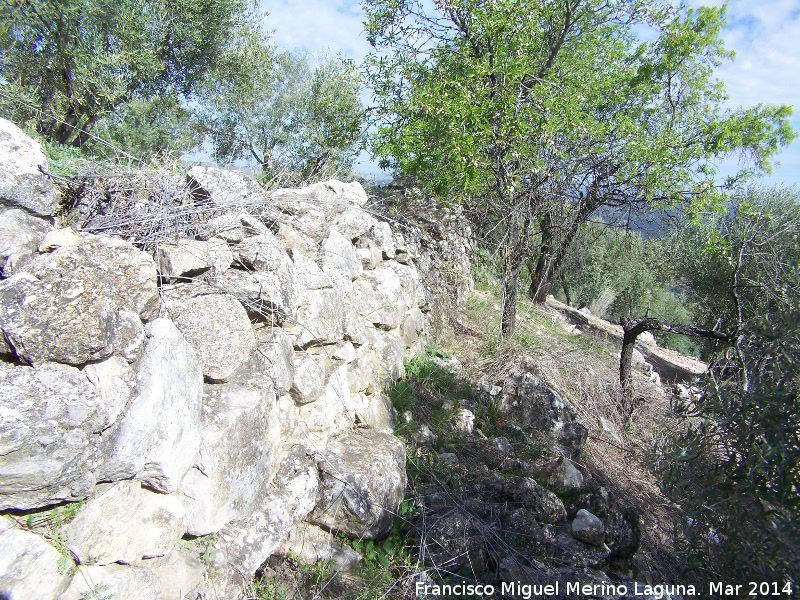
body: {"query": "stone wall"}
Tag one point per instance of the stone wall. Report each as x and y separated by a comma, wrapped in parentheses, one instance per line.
(226, 385)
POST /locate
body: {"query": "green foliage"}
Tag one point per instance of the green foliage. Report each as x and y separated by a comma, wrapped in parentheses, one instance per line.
(620, 273)
(757, 236)
(275, 108)
(736, 469)
(145, 127)
(535, 115)
(69, 63)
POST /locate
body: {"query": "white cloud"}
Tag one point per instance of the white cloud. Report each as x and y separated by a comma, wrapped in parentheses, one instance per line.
(765, 36)
(317, 26)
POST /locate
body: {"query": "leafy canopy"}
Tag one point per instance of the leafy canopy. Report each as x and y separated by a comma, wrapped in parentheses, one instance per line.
(274, 108)
(538, 114)
(67, 63)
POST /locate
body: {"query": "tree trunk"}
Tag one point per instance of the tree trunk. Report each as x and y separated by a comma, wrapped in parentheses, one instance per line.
(634, 327)
(508, 322)
(538, 272)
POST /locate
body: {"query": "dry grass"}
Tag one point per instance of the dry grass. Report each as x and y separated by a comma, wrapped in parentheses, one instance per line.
(584, 369)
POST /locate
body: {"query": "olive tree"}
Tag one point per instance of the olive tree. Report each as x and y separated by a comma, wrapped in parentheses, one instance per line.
(274, 108)
(66, 64)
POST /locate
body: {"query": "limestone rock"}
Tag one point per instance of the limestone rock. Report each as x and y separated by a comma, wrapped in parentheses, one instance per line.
(326, 192)
(125, 524)
(75, 304)
(239, 450)
(311, 373)
(114, 581)
(50, 423)
(233, 227)
(363, 481)
(391, 352)
(384, 237)
(375, 410)
(563, 474)
(339, 256)
(312, 544)
(308, 275)
(362, 373)
(158, 435)
(384, 302)
(369, 252)
(544, 504)
(331, 414)
(220, 256)
(242, 548)
(114, 381)
(537, 405)
(265, 294)
(224, 188)
(274, 348)
(177, 572)
(22, 183)
(263, 252)
(117, 269)
(463, 420)
(20, 233)
(588, 528)
(354, 223)
(60, 237)
(182, 258)
(319, 319)
(222, 342)
(30, 568)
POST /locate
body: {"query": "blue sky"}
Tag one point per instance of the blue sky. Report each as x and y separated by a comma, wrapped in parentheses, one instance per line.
(764, 33)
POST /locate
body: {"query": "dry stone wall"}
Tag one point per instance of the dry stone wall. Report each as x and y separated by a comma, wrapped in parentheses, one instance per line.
(228, 382)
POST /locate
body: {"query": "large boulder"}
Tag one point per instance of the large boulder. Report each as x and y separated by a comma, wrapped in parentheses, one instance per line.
(331, 194)
(183, 258)
(20, 233)
(215, 324)
(362, 483)
(158, 436)
(224, 189)
(125, 523)
(120, 271)
(80, 303)
(30, 568)
(241, 548)
(114, 581)
(51, 418)
(545, 506)
(22, 182)
(239, 450)
(339, 257)
(178, 573)
(535, 404)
